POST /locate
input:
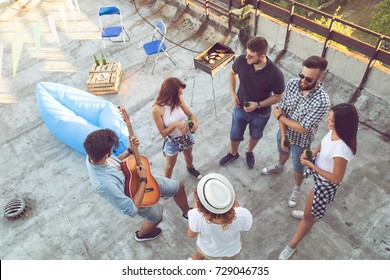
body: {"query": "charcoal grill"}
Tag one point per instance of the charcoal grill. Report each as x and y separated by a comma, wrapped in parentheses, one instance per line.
(211, 61)
(214, 58)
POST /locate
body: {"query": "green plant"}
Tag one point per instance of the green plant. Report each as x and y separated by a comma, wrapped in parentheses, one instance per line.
(380, 21)
(240, 17)
(337, 26)
(246, 9)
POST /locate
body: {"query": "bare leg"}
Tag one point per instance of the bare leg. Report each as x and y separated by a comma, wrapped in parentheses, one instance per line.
(234, 147)
(252, 144)
(147, 227)
(283, 158)
(188, 157)
(298, 178)
(181, 199)
(306, 223)
(170, 164)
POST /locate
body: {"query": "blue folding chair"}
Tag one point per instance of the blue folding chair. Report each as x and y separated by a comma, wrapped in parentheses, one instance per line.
(109, 31)
(157, 45)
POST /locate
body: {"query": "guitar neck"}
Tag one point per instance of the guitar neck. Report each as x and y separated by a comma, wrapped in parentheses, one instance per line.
(134, 148)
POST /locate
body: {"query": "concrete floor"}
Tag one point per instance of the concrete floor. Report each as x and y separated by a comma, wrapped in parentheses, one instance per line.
(67, 220)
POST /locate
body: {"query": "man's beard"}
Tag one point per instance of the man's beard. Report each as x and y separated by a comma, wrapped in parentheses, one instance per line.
(256, 62)
(308, 87)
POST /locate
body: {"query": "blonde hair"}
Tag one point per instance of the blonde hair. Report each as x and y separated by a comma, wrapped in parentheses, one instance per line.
(226, 218)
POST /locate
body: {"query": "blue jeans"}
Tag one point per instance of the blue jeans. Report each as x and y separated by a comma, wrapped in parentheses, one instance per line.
(240, 120)
(295, 151)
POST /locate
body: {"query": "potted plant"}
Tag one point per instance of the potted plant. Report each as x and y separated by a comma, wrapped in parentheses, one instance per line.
(240, 17)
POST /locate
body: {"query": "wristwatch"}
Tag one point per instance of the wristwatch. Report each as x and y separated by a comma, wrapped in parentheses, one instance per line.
(258, 105)
(143, 179)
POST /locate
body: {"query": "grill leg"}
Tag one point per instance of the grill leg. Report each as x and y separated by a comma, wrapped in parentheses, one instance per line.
(193, 87)
(215, 106)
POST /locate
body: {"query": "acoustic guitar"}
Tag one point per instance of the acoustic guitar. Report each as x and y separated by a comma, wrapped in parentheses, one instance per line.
(129, 168)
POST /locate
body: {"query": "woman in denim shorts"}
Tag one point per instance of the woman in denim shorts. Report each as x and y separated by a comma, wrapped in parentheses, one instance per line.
(171, 116)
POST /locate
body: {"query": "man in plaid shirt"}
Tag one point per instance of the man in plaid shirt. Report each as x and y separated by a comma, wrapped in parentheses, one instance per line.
(303, 106)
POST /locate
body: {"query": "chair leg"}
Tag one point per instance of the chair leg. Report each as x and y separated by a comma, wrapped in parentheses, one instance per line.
(155, 62)
(167, 54)
(126, 36)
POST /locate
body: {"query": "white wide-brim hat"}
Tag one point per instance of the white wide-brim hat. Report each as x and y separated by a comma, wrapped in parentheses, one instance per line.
(216, 193)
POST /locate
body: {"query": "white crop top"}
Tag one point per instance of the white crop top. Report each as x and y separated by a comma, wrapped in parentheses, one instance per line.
(177, 115)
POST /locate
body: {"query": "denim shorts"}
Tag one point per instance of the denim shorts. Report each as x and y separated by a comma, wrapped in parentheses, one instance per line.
(172, 148)
(295, 151)
(168, 188)
(240, 119)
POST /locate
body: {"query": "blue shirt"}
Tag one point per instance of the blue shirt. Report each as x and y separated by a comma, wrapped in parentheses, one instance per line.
(109, 182)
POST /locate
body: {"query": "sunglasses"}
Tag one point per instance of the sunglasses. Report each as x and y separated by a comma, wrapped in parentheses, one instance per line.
(307, 79)
(249, 56)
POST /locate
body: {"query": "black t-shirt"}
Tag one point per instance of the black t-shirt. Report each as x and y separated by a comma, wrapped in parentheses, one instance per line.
(258, 85)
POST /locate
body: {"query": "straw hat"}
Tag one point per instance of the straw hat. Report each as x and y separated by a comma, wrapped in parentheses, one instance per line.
(216, 193)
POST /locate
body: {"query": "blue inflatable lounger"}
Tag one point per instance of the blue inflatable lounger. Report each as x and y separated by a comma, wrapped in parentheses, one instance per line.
(71, 114)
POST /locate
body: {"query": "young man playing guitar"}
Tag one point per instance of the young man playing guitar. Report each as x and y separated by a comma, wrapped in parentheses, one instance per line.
(108, 180)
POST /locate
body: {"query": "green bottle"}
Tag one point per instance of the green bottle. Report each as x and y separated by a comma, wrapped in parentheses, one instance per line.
(96, 60)
(190, 124)
(246, 103)
(104, 60)
(309, 153)
(286, 142)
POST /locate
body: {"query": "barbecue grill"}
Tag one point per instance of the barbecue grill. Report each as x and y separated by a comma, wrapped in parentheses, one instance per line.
(211, 61)
(214, 58)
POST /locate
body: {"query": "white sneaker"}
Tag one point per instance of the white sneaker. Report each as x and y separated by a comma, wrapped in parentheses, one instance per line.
(286, 253)
(271, 169)
(294, 198)
(297, 214)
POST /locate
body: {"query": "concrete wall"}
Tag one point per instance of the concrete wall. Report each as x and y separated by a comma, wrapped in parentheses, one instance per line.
(344, 76)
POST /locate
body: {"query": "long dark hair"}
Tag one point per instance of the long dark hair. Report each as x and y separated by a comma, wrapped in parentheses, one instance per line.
(169, 93)
(346, 122)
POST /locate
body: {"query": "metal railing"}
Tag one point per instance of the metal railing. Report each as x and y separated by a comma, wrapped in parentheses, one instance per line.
(373, 52)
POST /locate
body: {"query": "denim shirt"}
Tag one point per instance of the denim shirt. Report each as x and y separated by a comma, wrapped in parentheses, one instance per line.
(109, 182)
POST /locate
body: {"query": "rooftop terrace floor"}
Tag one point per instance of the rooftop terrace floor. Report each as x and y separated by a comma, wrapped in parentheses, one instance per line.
(68, 221)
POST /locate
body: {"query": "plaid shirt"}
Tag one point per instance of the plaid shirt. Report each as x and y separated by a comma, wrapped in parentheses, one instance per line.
(308, 110)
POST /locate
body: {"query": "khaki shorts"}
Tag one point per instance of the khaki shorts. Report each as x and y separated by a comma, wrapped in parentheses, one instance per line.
(216, 258)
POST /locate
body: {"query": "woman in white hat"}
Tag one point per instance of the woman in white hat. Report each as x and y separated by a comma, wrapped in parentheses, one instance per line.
(217, 219)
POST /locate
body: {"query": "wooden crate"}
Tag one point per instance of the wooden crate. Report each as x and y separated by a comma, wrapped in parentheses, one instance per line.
(110, 84)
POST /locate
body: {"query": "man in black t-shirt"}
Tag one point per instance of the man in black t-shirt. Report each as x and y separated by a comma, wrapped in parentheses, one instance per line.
(261, 85)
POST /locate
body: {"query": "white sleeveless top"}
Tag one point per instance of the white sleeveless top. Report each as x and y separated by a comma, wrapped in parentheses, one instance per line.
(177, 115)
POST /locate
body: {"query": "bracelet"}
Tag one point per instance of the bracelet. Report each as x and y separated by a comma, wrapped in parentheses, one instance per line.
(129, 150)
(258, 104)
(143, 179)
(278, 117)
